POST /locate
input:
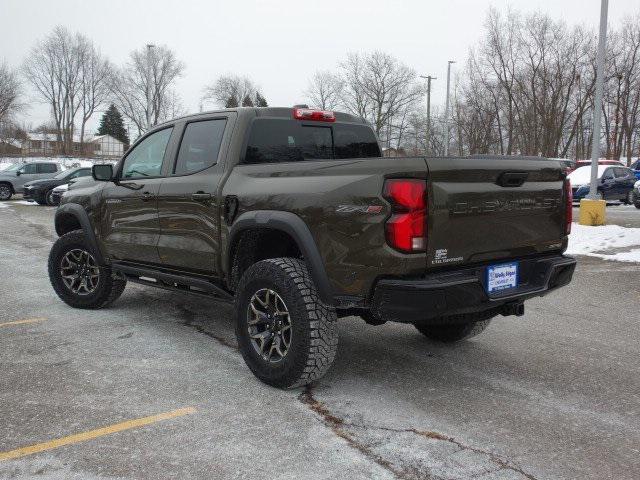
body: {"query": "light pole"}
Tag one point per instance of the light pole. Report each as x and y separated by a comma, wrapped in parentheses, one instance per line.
(592, 209)
(446, 110)
(428, 78)
(150, 47)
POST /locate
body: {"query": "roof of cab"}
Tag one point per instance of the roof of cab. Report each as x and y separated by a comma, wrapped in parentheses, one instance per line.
(272, 112)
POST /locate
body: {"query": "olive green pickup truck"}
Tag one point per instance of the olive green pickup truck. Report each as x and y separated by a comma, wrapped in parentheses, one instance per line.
(294, 215)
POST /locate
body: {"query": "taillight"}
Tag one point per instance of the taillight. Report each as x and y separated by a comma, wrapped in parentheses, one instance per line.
(315, 115)
(568, 212)
(406, 228)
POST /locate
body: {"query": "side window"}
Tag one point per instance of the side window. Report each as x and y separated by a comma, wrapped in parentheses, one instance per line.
(621, 172)
(145, 160)
(200, 146)
(28, 169)
(47, 168)
(608, 174)
(84, 173)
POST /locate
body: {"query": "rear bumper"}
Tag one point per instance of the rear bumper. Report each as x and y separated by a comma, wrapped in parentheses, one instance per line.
(459, 295)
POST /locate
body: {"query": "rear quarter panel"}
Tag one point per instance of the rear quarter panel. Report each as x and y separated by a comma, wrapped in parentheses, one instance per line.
(351, 242)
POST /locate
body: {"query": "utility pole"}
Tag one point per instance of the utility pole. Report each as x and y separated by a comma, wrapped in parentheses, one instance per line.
(428, 78)
(446, 111)
(595, 144)
(592, 208)
(150, 47)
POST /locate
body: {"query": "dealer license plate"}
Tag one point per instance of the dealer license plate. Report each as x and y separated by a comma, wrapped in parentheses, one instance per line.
(502, 277)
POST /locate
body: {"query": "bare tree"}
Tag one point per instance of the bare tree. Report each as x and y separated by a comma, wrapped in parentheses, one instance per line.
(95, 73)
(10, 90)
(380, 88)
(54, 68)
(229, 87)
(325, 90)
(149, 75)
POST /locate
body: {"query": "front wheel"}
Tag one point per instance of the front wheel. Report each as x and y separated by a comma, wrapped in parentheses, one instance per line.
(5, 192)
(287, 336)
(76, 276)
(49, 198)
(454, 332)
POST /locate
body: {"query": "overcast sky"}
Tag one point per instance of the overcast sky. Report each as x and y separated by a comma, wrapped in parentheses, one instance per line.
(279, 44)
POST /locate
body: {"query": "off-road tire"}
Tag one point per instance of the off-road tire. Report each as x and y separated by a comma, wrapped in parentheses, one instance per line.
(5, 191)
(314, 339)
(108, 289)
(453, 332)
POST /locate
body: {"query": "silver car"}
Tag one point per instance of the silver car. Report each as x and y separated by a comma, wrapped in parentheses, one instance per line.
(13, 178)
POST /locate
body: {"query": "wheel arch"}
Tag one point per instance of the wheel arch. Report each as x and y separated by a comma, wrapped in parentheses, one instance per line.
(291, 226)
(72, 216)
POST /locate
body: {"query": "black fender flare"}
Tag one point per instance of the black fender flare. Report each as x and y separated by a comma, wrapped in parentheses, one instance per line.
(297, 229)
(83, 219)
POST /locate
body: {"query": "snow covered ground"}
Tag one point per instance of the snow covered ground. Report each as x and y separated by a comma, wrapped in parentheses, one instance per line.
(609, 242)
(66, 162)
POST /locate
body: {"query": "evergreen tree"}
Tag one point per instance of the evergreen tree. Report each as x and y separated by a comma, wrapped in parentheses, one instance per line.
(232, 102)
(246, 101)
(261, 101)
(112, 124)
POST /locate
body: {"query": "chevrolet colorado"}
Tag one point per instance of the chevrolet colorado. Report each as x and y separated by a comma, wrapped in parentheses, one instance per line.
(294, 215)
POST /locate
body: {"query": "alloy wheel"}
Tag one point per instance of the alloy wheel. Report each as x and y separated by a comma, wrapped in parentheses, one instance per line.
(269, 325)
(80, 272)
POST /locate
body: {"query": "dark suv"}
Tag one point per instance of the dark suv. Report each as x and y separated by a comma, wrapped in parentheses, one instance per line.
(294, 216)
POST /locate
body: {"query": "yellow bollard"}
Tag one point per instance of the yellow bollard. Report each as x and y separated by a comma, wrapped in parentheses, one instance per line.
(592, 212)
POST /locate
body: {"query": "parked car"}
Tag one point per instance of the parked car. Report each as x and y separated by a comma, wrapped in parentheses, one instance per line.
(294, 215)
(57, 192)
(13, 178)
(635, 196)
(614, 183)
(79, 182)
(41, 191)
(635, 166)
(568, 164)
(602, 161)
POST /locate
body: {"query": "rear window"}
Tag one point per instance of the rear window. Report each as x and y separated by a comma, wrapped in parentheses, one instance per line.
(282, 140)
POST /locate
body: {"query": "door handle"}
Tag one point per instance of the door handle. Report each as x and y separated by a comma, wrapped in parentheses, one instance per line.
(146, 196)
(201, 196)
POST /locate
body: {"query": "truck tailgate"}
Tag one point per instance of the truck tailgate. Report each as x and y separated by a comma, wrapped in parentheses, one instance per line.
(491, 208)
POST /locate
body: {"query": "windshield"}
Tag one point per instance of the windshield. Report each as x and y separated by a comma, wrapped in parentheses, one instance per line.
(64, 173)
(582, 175)
(13, 168)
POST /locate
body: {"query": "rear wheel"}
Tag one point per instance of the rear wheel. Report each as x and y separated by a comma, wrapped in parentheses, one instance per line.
(5, 191)
(76, 276)
(454, 332)
(287, 336)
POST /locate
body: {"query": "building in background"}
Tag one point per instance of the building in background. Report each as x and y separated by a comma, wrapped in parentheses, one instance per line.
(46, 144)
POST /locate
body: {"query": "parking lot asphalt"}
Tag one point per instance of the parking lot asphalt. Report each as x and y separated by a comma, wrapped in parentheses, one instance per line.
(153, 387)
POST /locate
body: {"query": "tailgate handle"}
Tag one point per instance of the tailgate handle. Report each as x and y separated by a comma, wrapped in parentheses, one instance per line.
(512, 179)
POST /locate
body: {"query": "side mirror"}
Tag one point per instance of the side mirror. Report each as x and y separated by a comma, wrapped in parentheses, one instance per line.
(102, 173)
(18, 173)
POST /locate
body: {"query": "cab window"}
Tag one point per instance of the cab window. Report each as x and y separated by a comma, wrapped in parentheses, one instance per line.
(200, 146)
(28, 169)
(145, 160)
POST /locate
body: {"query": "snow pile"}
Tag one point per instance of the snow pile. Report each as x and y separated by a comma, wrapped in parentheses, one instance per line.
(609, 242)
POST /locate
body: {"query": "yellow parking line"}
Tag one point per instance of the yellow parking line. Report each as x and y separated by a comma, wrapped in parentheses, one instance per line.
(91, 434)
(21, 322)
